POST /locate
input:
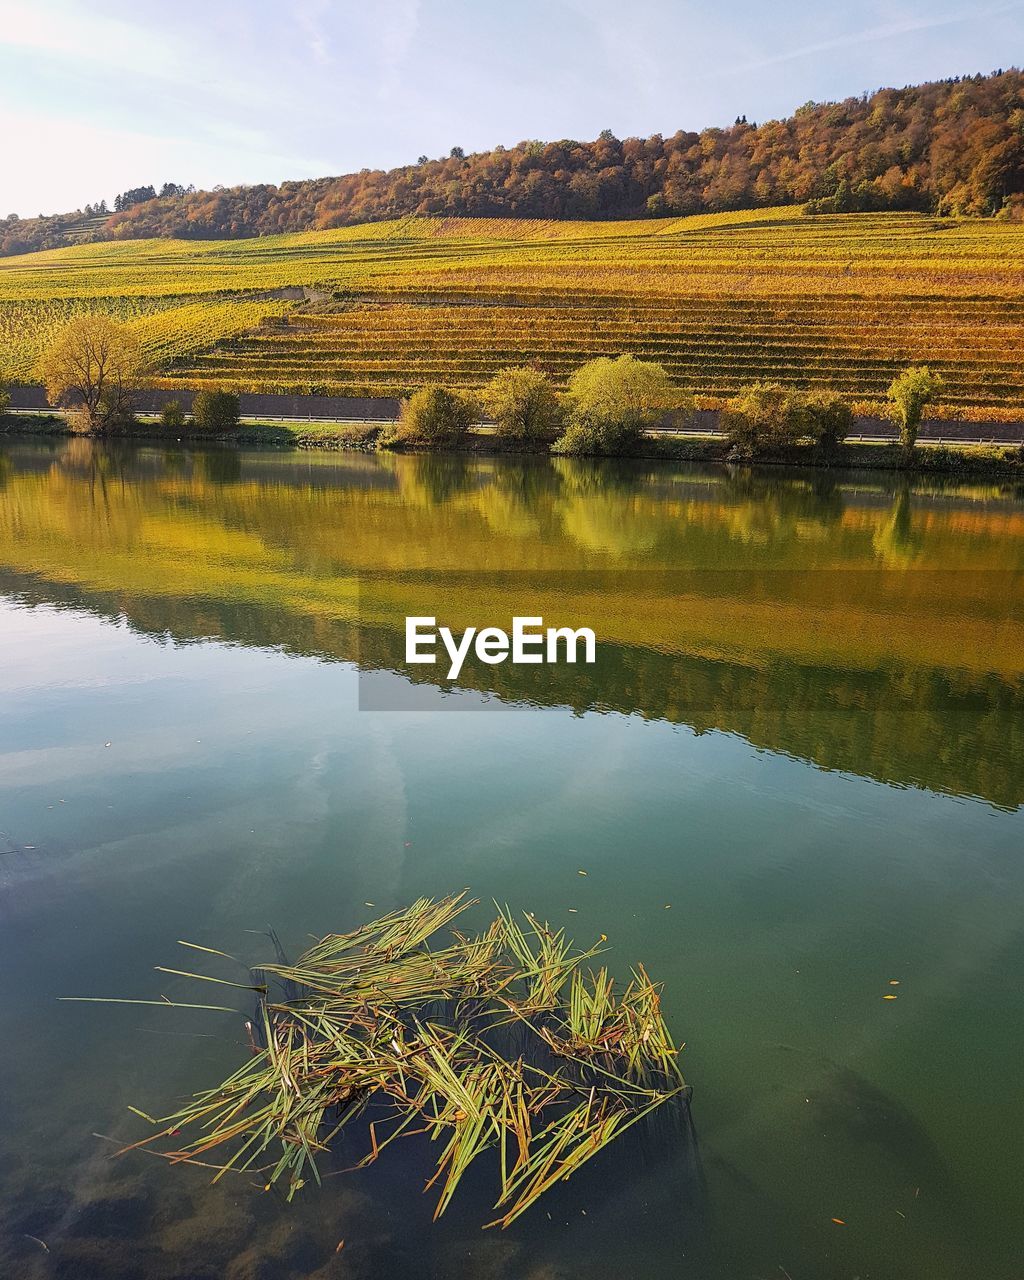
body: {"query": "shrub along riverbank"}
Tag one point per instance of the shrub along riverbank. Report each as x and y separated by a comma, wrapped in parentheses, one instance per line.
(612, 407)
(974, 460)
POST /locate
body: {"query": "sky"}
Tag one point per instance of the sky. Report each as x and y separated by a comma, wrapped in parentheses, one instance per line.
(101, 96)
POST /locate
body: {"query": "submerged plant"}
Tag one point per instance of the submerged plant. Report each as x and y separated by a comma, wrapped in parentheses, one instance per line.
(498, 1041)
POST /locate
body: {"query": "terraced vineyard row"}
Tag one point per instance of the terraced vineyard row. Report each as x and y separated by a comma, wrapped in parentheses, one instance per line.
(709, 348)
(840, 302)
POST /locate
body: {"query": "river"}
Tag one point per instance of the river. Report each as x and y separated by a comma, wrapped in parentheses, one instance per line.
(793, 777)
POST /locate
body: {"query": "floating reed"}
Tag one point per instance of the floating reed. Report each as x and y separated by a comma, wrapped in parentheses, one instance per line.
(499, 1041)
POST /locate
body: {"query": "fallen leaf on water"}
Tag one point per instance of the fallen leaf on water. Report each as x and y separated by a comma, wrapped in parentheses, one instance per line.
(889, 997)
(839, 1222)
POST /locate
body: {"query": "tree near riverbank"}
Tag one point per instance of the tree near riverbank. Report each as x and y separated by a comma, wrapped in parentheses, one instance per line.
(434, 416)
(909, 396)
(770, 416)
(765, 416)
(829, 420)
(611, 403)
(172, 416)
(216, 411)
(523, 404)
(94, 368)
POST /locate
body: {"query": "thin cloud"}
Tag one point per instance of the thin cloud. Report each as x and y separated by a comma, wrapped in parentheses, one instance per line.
(399, 26)
(887, 31)
(95, 45)
(625, 40)
(310, 15)
(98, 160)
(59, 32)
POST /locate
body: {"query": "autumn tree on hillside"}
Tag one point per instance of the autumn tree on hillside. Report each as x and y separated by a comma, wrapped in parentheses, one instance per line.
(94, 368)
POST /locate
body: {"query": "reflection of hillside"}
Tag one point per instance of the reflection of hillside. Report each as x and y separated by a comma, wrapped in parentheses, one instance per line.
(912, 727)
(909, 677)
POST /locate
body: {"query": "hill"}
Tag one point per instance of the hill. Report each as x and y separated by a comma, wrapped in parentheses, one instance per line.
(952, 146)
(829, 301)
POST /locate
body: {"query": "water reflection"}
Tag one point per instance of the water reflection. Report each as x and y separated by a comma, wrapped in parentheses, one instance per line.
(205, 617)
(720, 600)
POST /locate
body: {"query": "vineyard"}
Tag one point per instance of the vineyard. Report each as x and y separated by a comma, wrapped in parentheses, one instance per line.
(840, 302)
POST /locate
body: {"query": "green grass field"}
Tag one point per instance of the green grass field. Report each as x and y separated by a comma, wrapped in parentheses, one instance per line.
(842, 302)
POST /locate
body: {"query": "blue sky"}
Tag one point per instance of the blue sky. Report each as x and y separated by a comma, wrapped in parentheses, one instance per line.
(99, 96)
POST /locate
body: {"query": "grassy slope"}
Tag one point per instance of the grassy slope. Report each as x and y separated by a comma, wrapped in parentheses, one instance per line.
(720, 299)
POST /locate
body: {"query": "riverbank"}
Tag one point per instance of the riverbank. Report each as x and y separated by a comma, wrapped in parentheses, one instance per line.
(1003, 462)
(148, 430)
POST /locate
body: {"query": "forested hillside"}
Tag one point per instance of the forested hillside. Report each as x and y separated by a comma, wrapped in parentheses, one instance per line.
(950, 147)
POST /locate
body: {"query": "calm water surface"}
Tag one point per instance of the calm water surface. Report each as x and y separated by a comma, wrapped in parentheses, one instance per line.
(794, 775)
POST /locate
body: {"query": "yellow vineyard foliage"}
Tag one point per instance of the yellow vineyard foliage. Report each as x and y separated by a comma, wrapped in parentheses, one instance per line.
(839, 301)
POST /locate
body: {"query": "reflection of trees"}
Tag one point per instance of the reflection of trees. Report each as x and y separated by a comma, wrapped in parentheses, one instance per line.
(603, 523)
(912, 727)
(516, 497)
(887, 674)
(772, 508)
(434, 478)
(595, 510)
(908, 726)
(896, 542)
(221, 466)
